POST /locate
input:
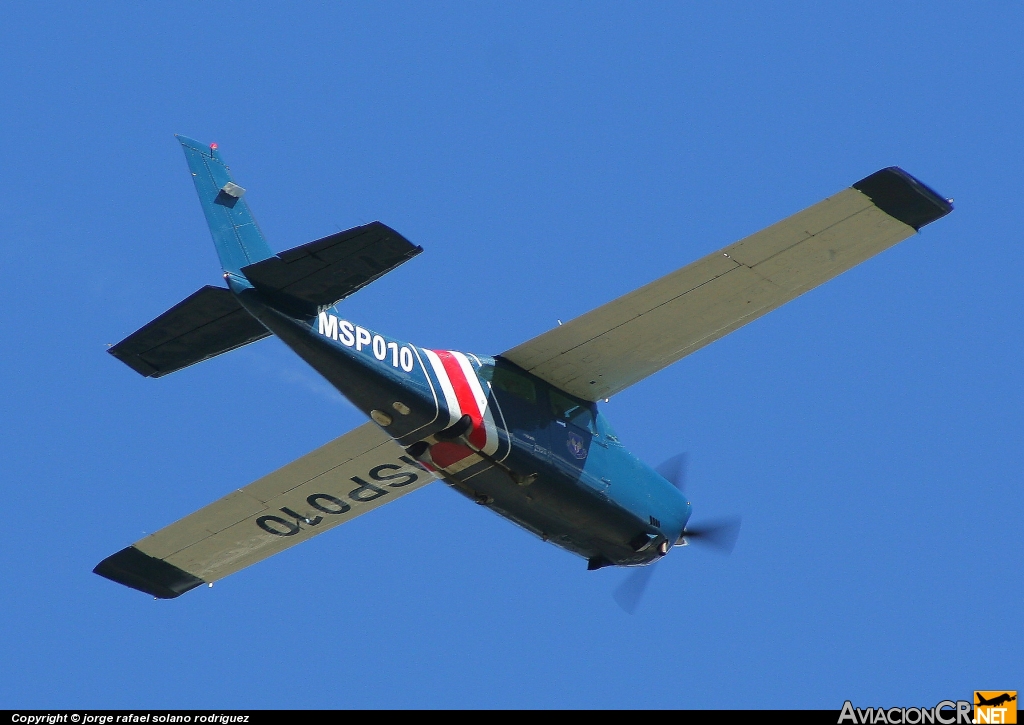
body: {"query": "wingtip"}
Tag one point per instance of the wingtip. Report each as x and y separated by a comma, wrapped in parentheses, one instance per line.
(137, 570)
(904, 197)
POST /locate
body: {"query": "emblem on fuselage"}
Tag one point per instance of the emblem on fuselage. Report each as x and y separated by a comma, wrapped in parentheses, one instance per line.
(576, 446)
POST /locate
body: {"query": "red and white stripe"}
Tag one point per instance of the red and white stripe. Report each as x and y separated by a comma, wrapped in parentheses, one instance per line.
(464, 395)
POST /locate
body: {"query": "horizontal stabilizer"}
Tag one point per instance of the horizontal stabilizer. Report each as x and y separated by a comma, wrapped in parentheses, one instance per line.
(323, 272)
(207, 323)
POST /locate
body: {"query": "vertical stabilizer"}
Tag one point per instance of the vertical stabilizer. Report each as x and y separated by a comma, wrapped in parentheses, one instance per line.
(238, 240)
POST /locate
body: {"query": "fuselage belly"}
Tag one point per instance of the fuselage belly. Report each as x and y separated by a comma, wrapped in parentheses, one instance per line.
(535, 455)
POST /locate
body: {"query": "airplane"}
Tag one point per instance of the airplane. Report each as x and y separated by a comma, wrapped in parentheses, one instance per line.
(520, 432)
(995, 701)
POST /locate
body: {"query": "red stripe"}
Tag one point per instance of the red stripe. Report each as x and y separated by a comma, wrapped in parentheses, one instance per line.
(445, 454)
(478, 436)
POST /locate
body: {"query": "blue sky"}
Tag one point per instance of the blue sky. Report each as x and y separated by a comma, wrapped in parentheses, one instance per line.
(548, 157)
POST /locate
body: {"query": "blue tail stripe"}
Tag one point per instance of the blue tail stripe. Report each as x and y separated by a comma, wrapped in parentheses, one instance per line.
(238, 240)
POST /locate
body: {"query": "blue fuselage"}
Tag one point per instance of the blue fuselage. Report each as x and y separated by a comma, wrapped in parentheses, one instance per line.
(534, 454)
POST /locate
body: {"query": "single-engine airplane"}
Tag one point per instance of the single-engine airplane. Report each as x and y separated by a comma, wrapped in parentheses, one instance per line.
(519, 432)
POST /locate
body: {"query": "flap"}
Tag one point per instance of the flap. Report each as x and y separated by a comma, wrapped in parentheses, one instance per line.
(207, 323)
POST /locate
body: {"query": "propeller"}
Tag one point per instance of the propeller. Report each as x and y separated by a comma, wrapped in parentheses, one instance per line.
(718, 535)
(629, 593)
(674, 471)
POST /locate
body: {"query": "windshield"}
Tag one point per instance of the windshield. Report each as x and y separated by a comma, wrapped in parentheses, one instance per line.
(579, 414)
(509, 381)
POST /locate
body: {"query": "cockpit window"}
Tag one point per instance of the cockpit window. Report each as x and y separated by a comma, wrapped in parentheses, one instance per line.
(510, 382)
(578, 414)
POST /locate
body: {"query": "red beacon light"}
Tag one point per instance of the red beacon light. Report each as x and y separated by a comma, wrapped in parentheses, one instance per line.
(213, 147)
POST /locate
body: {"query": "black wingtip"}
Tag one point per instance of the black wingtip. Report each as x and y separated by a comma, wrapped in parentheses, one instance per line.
(903, 197)
(145, 573)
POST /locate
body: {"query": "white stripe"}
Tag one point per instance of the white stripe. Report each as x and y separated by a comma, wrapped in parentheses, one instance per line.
(452, 400)
(497, 404)
(461, 465)
(437, 408)
(490, 432)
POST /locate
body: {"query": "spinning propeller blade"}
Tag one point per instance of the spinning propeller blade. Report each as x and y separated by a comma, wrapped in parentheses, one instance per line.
(718, 535)
(674, 471)
(629, 593)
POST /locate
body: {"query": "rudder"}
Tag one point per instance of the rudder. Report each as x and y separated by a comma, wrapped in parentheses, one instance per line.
(239, 242)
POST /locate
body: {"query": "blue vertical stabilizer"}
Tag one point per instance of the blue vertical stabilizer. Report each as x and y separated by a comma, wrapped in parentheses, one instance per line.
(299, 283)
(238, 240)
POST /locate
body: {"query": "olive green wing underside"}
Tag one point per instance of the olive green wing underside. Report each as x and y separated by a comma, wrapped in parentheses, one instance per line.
(349, 476)
(618, 344)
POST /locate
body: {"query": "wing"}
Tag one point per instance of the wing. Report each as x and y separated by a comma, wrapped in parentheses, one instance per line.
(610, 348)
(335, 483)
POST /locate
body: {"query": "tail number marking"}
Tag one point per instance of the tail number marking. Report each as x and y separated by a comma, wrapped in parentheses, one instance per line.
(389, 475)
(351, 335)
